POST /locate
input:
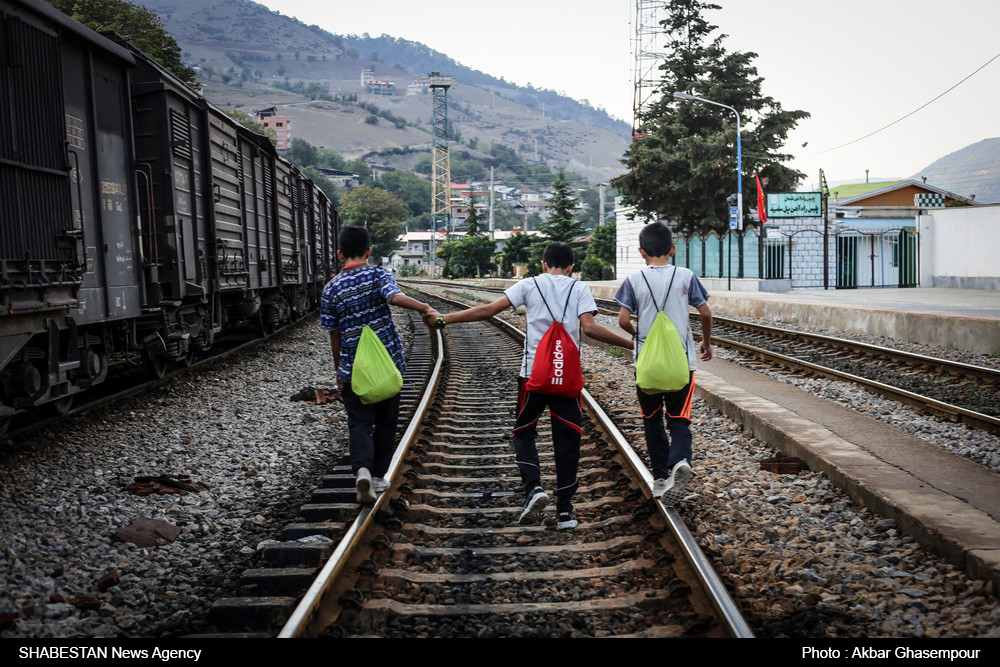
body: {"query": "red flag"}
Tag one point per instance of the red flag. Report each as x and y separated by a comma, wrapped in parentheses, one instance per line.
(761, 204)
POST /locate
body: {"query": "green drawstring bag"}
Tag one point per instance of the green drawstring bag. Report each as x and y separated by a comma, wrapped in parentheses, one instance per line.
(374, 376)
(663, 362)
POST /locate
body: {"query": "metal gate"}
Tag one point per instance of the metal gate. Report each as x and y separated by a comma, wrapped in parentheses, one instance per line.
(887, 258)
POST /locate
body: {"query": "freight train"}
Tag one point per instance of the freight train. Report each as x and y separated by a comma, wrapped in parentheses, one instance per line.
(136, 219)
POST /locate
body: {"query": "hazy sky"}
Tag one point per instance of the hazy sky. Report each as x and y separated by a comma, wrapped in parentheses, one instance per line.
(856, 65)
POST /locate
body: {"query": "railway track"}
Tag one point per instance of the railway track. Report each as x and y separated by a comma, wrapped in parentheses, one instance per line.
(440, 554)
(951, 390)
(130, 378)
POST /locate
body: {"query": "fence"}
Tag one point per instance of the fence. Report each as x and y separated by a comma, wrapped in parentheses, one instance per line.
(847, 259)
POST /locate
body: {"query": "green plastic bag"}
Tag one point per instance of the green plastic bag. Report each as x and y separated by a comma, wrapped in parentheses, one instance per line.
(374, 376)
(663, 363)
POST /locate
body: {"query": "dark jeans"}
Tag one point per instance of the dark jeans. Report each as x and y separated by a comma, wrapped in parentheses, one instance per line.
(373, 432)
(663, 453)
(567, 429)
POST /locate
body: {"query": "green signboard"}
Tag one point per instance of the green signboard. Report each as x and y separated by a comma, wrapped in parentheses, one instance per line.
(795, 205)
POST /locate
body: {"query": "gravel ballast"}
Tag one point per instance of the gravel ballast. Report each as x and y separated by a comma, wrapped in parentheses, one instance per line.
(229, 425)
(798, 555)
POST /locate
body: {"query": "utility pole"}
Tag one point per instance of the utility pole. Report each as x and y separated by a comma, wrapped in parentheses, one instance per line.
(492, 229)
(600, 214)
(825, 198)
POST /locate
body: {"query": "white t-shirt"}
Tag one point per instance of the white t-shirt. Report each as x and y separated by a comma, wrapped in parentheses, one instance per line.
(555, 289)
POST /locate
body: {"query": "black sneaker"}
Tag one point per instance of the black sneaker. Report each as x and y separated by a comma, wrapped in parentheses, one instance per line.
(534, 503)
(567, 521)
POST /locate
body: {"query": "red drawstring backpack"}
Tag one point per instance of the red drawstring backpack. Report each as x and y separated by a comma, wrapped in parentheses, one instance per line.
(556, 369)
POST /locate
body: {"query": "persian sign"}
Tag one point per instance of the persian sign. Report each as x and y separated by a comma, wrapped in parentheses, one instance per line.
(795, 205)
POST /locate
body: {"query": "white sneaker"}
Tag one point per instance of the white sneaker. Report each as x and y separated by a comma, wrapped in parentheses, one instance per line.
(379, 484)
(534, 503)
(678, 481)
(364, 487)
(659, 486)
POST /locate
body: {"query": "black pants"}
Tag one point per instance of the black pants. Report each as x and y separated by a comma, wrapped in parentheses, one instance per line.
(567, 429)
(664, 454)
(372, 432)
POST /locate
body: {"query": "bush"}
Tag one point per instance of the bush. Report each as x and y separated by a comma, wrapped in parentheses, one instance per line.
(408, 271)
(593, 269)
(372, 119)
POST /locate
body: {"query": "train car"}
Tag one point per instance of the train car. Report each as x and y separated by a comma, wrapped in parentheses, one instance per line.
(70, 261)
(135, 217)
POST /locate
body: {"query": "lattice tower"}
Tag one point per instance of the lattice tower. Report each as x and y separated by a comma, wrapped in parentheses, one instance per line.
(440, 158)
(647, 55)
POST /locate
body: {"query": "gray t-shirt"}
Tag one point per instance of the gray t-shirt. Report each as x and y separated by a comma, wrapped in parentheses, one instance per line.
(686, 291)
(555, 289)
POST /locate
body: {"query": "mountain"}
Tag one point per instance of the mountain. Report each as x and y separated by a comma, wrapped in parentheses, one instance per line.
(973, 170)
(245, 51)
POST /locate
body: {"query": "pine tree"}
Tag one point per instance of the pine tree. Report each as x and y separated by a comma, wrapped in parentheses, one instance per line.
(683, 163)
(473, 224)
(562, 225)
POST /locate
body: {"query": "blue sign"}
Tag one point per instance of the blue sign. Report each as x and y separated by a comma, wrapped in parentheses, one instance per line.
(734, 217)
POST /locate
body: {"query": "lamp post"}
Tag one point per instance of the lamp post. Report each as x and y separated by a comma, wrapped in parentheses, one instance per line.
(739, 170)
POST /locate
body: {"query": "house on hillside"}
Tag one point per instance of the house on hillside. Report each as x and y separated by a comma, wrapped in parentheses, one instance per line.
(282, 126)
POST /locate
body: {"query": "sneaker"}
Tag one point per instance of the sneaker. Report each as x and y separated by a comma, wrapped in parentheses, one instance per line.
(679, 476)
(534, 503)
(659, 486)
(379, 484)
(567, 521)
(364, 487)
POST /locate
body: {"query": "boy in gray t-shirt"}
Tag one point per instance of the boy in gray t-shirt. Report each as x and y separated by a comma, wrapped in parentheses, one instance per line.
(546, 298)
(672, 289)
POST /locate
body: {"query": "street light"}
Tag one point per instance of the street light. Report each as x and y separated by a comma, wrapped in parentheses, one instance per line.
(739, 170)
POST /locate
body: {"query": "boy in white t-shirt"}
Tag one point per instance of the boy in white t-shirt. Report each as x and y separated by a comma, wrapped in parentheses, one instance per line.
(672, 289)
(543, 298)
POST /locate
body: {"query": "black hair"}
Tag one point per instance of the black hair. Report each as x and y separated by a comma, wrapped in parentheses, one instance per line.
(558, 256)
(354, 241)
(656, 239)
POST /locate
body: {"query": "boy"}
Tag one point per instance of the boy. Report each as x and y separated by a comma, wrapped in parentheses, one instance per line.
(360, 294)
(672, 288)
(544, 297)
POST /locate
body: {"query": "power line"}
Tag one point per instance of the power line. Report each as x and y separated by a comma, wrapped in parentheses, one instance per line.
(870, 134)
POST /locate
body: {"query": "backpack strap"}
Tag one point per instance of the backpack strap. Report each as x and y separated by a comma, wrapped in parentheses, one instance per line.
(568, 296)
(537, 287)
(653, 296)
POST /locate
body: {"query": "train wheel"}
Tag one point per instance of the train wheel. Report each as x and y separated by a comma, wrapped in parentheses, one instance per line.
(187, 361)
(4, 426)
(155, 364)
(63, 405)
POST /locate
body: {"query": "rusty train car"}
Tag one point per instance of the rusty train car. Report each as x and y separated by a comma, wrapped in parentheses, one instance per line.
(136, 219)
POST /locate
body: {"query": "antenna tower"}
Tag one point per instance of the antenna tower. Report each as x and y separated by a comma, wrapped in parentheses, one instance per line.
(440, 160)
(647, 56)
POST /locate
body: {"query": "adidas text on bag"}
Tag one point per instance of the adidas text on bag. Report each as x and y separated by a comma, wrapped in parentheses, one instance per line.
(556, 368)
(663, 362)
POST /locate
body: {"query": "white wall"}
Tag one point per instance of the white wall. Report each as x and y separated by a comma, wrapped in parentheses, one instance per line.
(628, 259)
(960, 247)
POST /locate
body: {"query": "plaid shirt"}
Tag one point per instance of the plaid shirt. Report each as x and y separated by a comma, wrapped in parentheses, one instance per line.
(357, 297)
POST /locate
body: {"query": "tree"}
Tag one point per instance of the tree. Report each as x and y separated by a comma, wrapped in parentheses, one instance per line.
(413, 190)
(328, 187)
(516, 252)
(563, 225)
(251, 123)
(474, 223)
(469, 256)
(683, 162)
(141, 26)
(604, 243)
(380, 211)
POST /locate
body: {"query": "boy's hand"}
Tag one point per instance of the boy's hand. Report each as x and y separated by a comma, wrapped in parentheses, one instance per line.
(430, 317)
(706, 351)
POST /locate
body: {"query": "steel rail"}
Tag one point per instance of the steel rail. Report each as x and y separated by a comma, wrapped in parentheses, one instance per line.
(971, 418)
(708, 579)
(308, 612)
(947, 410)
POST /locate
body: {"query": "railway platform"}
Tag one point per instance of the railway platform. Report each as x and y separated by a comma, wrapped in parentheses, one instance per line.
(947, 503)
(962, 319)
